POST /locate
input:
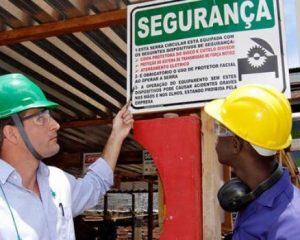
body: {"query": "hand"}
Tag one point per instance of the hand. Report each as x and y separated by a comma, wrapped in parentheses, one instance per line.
(122, 122)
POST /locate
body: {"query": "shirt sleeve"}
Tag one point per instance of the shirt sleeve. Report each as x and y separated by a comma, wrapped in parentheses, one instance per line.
(242, 235)
(286, 228)
(86, 191)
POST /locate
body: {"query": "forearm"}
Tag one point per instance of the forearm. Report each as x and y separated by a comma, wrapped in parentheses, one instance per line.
(112, 149)
(122, 124)
(86, 191)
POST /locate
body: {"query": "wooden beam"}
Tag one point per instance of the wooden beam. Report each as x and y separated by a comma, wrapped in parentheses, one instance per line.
(227, 224)
(137, 178)
(212, 177)
(108, 120)
(78, 24)
(297, 25)
(150, 211)
(21, 18)
(81, 6)
(295, 95)
(128, 157)
(86, 123)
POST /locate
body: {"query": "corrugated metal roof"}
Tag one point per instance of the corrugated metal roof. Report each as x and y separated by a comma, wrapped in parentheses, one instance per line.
(84, 71)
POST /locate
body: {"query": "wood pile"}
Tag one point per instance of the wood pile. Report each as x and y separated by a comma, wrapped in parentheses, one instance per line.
(125, 233)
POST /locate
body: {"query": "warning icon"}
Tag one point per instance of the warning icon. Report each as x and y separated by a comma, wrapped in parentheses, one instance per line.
(260, 59)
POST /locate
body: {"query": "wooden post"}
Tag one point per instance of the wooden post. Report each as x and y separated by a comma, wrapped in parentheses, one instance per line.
(150, 210)
(105, 212)
(174, 144)
(212, 177)
(133, 215)
(161, 204)
(297, 7)
(227, 224)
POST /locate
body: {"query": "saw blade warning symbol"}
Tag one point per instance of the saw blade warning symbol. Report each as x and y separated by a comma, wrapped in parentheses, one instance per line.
(260, 59)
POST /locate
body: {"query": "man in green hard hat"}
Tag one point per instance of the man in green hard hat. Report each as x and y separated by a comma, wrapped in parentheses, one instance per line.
(39, 201)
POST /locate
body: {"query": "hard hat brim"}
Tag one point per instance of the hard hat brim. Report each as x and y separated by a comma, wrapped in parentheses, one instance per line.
(38, 104)
(213, 109)
(45, 104)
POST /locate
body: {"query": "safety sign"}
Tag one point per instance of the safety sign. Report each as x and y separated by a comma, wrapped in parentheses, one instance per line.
(182, 54)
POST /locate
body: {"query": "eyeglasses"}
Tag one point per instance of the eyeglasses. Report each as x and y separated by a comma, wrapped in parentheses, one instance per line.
(40, 118)
(222, 131)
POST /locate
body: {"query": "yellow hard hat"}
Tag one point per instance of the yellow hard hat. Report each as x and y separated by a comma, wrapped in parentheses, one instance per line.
(259, 114)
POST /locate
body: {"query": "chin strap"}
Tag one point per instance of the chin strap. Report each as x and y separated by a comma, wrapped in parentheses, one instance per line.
(19, 125)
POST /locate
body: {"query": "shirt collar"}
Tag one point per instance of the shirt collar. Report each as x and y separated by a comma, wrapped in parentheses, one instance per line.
(283, 184)
(5, 171)
(267, 198)
(43, 170)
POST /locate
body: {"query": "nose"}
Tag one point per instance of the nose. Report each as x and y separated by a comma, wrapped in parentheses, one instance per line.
(54, 124)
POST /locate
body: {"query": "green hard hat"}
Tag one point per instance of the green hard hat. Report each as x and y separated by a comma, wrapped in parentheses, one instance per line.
(18, 93)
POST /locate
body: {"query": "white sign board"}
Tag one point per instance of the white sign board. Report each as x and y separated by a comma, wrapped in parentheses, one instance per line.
(182, 54)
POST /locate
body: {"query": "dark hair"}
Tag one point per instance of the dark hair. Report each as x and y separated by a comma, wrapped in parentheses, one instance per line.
(3, 123)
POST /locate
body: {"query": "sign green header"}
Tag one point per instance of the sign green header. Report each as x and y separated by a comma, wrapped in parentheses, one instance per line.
(167, 22)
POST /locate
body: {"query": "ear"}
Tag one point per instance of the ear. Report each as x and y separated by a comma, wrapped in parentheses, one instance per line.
(237, 144)
(10, 134)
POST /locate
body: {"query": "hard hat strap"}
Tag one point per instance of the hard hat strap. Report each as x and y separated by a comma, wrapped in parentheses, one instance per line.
(19, 124)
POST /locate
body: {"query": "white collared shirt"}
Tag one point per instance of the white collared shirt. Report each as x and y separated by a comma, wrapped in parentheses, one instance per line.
(62, 198)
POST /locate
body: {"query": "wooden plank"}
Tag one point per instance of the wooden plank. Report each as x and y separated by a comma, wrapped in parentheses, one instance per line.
(176, 153)
(227, 225)
(18, 18)
(150, 211)
(75, 159)
(108, 120)
(86, 123)
(161, 205)
(295, 95)
(297, 25)
(78, 24)
(212, 175)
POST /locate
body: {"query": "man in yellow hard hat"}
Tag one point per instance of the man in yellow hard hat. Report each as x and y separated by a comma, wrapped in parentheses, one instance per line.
(38, 202)
(252, 124)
